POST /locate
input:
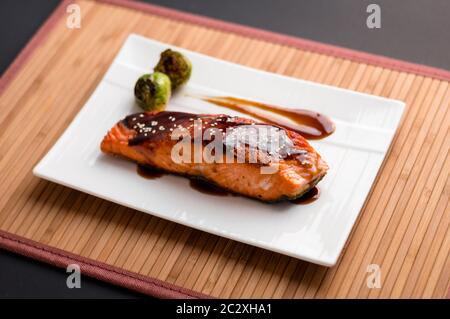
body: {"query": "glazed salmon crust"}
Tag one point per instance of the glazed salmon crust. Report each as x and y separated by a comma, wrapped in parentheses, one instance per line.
(146, 138)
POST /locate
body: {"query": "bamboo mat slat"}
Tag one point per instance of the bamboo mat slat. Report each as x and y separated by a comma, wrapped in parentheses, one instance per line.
(403, 227)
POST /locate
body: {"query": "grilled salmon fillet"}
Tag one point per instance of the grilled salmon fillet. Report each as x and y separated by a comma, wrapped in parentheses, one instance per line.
(283, 164)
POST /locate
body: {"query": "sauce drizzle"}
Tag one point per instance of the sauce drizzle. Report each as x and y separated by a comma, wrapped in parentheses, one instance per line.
(309, 124)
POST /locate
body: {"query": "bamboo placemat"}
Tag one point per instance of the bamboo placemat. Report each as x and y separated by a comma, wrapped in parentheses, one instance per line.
(403, 228)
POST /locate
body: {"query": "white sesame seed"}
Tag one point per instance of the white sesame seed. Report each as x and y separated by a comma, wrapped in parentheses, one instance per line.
(154, 123)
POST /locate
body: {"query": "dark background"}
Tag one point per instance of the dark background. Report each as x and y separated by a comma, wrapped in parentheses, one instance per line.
(413, 30)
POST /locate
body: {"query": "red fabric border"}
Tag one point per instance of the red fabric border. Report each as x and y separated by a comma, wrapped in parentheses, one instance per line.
(95, 269)
(130, 280)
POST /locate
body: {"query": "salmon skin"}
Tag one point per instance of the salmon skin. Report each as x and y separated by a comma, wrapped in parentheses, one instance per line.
(292, 165)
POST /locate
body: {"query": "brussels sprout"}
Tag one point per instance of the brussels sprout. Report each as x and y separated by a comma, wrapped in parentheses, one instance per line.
(176, 66)
(152, 91)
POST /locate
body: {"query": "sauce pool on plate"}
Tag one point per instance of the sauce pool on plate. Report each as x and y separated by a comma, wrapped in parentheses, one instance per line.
(148, 172)
(310, 196)
(209, 189)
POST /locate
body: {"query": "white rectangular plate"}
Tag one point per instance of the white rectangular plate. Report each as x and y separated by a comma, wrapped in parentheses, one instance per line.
(365, 126)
